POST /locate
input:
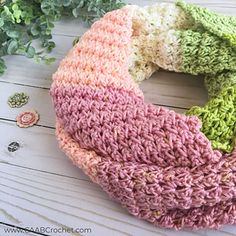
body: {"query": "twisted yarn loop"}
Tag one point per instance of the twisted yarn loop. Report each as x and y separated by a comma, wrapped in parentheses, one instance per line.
(174, 170)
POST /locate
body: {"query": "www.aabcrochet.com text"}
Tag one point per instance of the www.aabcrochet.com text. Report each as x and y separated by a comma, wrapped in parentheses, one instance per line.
(48, 230)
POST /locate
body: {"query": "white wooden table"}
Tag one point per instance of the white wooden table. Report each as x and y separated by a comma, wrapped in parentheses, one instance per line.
(39, 186)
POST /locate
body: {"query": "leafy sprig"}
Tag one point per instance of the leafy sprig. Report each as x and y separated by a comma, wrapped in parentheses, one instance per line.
(23, 21)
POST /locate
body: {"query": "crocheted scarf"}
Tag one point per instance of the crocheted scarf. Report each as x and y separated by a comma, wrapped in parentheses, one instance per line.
(174, 170)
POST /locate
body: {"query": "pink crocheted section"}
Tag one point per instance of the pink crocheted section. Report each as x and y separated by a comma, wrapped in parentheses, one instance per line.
(122, 127)
(162, 195)
(138, 187)
(155, 162)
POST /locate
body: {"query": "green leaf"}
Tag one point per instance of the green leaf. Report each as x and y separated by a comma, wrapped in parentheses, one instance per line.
(30, 52)
(13, 33)
(12, 47)
(34, 30)
(51, 45)
(67, 3)
(75, 12)
(81, 4)
(37, 58)
(15, 7)
(1, 22)
(2, 66)
(76, 40)
(7, 15)
(50, 60)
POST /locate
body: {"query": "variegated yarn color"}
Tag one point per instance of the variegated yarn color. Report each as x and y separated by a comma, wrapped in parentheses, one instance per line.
(174, 170)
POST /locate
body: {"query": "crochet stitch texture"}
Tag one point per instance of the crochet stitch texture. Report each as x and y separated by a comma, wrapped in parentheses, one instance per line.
(174, 170)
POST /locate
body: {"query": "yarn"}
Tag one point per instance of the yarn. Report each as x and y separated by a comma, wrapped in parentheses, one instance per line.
(218, 118)
(174, 170)
(222, 26)
(215, 83)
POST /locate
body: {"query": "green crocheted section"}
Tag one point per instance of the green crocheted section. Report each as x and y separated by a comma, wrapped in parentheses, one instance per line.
(218, 118)
(215, 23)
(209, 48)
(205, 53)
(215, 83)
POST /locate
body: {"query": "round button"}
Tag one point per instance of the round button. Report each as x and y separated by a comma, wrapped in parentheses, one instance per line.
(13, 146)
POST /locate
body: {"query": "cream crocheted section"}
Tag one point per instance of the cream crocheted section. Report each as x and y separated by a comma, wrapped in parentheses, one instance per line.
(154, 40)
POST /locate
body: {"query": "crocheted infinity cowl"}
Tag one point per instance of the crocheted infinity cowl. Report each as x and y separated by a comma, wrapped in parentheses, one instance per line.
(174, 170)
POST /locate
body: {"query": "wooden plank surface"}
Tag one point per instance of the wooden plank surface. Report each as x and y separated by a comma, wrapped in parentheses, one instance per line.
(39, 185)
(38, 150)
(25, 71)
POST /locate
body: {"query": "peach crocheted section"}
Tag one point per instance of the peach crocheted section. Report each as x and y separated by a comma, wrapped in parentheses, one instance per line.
(105, 64)
(82, 158)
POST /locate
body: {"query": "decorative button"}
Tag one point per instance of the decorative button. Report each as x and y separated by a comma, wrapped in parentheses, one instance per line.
(27, 119)
(13, 146)
(18, 100)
